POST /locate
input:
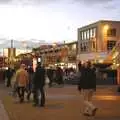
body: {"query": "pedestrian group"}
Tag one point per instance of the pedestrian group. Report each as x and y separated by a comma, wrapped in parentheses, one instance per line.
(28, 81)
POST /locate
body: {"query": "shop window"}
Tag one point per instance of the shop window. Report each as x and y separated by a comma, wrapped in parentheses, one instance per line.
(93, 46)
(110, 44)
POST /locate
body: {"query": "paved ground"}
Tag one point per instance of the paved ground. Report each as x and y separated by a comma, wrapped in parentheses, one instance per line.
(64, 104)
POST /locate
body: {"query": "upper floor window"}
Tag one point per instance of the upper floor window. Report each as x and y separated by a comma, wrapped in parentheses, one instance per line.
(111, 32)
(82, 35)
(85, 35)
(91, 33)
(88, 35)
(94, 32)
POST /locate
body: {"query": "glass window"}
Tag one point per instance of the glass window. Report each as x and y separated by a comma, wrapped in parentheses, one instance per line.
(110, 44)
(82, 36)
(87, 34)
(81, 47)
(111, 32)
(94, 32)
(90, 33)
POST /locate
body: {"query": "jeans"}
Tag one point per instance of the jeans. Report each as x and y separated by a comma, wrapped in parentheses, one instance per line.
(87, 96)
(21, 92)
(36, 96)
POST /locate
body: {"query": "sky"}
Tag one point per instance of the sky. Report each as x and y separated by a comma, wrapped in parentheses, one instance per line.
(52, 20)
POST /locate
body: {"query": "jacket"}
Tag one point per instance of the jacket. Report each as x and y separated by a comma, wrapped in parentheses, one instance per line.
(22, 78)
(88, 78)
(39, 77)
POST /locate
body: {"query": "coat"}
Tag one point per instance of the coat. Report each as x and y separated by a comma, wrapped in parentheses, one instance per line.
(39, 78)
(87, 78)
(22, 78)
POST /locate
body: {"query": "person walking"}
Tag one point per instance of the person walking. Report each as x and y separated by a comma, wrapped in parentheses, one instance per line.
(22, 80)
(87, 86)
(59, 76)
(50, 76)
(9, 74)
(38, 86)
(29, 86)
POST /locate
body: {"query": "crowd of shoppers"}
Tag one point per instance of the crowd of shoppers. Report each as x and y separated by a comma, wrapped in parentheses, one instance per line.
(29, 81)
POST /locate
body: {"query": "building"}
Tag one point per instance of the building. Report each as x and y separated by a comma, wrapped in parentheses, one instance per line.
(96, 40)
(63, 55)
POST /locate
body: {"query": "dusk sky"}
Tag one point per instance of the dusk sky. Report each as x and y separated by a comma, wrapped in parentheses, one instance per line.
(52, 20)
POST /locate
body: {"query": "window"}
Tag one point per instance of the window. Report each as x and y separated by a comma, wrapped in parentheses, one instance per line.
(111, 32)
(81, 47)
(93, 46)
(82, 35)
(90, 33)
(84, 47)
(110, 44)
(94, 32)
(87, 34)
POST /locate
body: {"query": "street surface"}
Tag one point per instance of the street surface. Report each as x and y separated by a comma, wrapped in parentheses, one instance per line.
(65, 104)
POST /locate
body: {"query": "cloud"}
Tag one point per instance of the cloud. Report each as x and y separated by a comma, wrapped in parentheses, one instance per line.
(38, 2)
(100, 4)
(5, 1)
(93, 1)
(27, 2)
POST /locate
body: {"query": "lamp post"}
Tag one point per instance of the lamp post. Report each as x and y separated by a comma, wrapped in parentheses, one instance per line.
(12, 54)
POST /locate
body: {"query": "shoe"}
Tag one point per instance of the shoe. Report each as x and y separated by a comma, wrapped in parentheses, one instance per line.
(86, 114)
(94, 111)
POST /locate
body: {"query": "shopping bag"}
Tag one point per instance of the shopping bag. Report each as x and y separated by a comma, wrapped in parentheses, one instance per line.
(47, 80)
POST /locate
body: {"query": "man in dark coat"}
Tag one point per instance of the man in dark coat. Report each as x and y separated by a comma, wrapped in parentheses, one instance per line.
(9, 74)
(38, 85)
(88, 86)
